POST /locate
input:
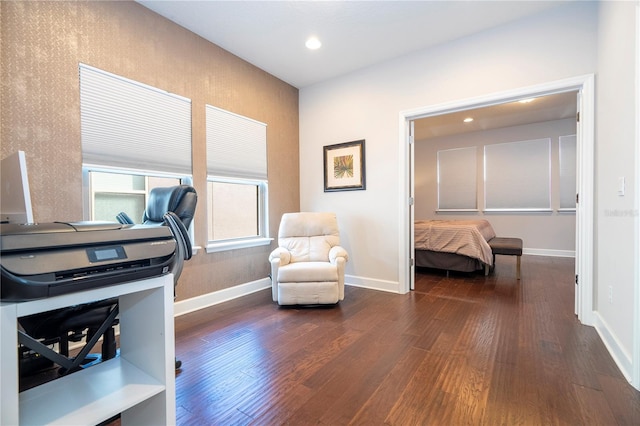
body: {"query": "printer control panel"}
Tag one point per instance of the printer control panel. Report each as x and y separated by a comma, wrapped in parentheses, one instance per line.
(102, 254)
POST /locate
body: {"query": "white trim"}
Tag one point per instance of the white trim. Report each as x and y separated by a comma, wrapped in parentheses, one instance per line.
(585, 210)
(616, 350)
(549, 252)
(635, 379)
(137, 172)
(533, 210)
(204, 301)
(372, 283)
(232, 245)
(406, 268)
(585, 182)
(216, 297)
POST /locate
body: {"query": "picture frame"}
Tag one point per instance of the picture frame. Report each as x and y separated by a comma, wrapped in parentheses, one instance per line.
(344, 166)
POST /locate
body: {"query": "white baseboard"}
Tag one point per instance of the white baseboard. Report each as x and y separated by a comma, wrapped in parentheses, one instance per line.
(549, 252)
(371, 283)
(203, 301)
(619, 355)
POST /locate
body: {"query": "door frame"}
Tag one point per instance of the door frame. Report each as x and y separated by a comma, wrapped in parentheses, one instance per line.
(585, 132)
(635, 375)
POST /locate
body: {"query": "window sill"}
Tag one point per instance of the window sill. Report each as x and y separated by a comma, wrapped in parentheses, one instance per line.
(522, 210)
(232, 245)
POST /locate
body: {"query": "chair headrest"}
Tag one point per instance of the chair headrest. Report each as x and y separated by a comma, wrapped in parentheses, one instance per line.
(308, 224)
(179, 199)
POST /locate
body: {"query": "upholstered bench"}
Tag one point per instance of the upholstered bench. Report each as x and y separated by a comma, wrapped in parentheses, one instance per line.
(509, 247)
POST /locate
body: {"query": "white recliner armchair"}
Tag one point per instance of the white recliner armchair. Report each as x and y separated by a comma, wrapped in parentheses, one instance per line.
(308, 266)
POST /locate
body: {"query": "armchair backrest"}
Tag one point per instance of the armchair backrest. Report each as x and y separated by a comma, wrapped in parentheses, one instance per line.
(308, 235)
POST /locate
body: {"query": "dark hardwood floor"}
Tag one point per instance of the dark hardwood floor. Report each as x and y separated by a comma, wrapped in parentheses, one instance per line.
(466, 349)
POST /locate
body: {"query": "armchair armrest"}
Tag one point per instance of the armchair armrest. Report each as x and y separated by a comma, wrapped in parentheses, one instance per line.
(336, 252)
(278, 257)
(282, 255)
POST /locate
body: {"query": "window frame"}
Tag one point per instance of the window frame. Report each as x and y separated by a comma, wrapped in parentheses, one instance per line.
(262, 238)
(88, 192)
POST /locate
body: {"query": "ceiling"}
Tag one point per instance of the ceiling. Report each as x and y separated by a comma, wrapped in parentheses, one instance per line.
(357, 34)
(354, 34)
(538, 110)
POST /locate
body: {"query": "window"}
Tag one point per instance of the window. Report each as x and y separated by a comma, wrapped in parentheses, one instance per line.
(236, 180)
(517, 176)
(112, 192)
(229, 222)
(134, 138)
(457, 184)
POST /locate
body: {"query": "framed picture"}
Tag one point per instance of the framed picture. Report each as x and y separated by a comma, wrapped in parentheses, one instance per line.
(344, 166)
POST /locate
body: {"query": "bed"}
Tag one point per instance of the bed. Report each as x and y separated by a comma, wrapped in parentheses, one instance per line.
(453, 245)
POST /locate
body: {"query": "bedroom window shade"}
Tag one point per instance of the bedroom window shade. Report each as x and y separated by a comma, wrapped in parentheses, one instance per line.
(517, 175)
(133, 126)
(568, 172)
(457, 183)
(236, 145)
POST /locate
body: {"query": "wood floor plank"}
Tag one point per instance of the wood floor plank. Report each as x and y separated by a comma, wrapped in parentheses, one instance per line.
(594, 408)
(622, 398)
(379, 405)
(464, 349)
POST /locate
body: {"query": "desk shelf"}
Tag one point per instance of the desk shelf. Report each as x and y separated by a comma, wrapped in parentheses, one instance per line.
(98, 393)
(139, 384)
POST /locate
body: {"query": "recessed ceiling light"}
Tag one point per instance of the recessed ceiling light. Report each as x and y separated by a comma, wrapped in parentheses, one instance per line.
(313, 43)
(468, 120)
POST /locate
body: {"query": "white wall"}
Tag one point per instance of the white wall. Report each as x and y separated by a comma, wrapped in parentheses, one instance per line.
(577, 39)
(616, 116)
(548, 233)
(366, 104)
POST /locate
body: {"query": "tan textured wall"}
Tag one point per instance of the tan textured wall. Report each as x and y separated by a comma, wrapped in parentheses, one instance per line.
(42, 44)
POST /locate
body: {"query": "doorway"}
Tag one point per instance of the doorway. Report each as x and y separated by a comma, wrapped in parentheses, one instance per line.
(584, 85)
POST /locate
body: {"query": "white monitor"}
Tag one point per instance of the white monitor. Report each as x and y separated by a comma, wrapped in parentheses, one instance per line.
(15, 203)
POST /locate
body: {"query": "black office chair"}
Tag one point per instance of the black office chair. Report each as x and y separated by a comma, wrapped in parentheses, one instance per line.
(173, 207)
(181, 200)
(39, 332)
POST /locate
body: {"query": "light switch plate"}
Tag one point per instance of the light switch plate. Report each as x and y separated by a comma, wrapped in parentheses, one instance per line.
(621, 186)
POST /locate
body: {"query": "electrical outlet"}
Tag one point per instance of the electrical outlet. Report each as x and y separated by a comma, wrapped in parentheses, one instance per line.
(610, 294)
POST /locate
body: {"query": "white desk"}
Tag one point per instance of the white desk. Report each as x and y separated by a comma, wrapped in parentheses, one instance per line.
(140, 383)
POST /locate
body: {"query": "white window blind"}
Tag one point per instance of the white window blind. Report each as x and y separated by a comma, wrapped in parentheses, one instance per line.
(236, 145)
(568, 172)
(517, 175)
(457, 183)
(133, 126)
